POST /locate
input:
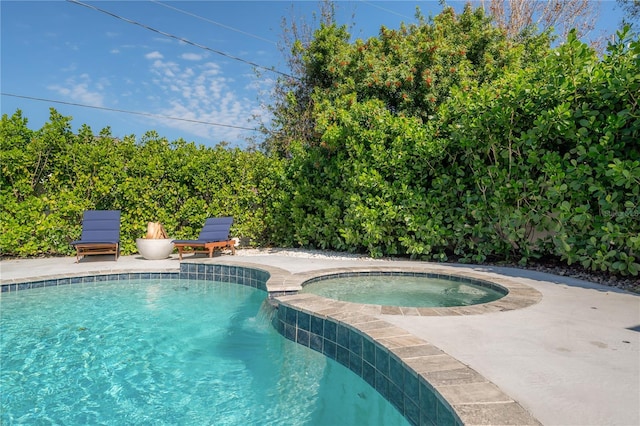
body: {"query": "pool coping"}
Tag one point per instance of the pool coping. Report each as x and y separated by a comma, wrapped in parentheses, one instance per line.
(474, 399)
(283, 283)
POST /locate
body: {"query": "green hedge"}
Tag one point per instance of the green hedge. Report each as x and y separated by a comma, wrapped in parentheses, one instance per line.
(446, 140)
(437, 141)
(50, 176)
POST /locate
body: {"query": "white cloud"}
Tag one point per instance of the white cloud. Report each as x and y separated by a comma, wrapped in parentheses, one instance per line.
(191, 56)
(154, 55)
(202, 93)
(80, 89)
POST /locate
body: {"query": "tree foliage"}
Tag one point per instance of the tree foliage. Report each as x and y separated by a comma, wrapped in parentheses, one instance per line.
(518, 17)
(449, 138)
(631, 9)
(50, 176)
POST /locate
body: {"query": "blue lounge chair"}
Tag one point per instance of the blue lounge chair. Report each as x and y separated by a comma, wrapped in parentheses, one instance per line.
(214, 235)
(100, 234)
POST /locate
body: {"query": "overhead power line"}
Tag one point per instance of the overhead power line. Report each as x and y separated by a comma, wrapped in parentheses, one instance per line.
(146, 114)
(184, 40)
(213, 22)
(384, 9)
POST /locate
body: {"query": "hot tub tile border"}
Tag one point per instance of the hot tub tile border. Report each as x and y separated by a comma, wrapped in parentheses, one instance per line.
(426, 385)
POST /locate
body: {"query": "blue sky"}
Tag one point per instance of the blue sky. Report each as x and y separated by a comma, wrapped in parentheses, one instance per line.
(62, 51)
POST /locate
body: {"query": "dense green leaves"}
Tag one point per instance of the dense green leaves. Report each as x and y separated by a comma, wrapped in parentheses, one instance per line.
(50, 176)
(448, 139)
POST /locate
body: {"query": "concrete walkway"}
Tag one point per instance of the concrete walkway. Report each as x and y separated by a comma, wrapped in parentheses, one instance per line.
(571, 359)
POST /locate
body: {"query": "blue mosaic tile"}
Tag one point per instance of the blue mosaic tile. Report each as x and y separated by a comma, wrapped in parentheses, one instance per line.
(330, 331)
(315, 342)
(343, 336)
(208, 274)
(290, 332)
(225, 270)
(396, 372)
(355, 364)
(291, 316)
(355, 342)
(396, 397)
(329, 348)
(302, 337)
(382, 384)
(444, 415)
(216, 272)
(411, 412)
(342, 356)
(411, 386)
(382, 360)
(369, 351)
(317, 325)
(428, 403)
(369, 374)
(304, 321)
(278, 325)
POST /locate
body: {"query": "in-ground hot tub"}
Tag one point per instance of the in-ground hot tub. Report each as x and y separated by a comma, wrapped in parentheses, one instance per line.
(404, 289)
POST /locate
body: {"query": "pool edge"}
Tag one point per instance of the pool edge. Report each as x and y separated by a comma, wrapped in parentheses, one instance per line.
(460, 396)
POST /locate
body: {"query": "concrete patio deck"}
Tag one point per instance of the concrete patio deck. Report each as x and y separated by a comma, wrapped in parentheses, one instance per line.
(572, 358)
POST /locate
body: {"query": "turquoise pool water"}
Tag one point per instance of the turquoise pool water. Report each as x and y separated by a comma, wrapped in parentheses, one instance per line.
(167, 352)
(398, 290)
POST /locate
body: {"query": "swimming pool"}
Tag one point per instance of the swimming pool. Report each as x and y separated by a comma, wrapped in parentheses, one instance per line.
(167, 351)
(396, 289)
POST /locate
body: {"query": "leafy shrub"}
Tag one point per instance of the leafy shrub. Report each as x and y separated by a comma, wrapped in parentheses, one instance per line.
(447, 139)
(50, 176)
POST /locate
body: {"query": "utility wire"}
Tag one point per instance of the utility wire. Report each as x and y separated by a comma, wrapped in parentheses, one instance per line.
(384, 9)
(184, 40)
(213, 22)
(146, 114)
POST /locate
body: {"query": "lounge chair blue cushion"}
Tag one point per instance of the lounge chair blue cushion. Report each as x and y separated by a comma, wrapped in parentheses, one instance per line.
(214, 229)
(100, 226)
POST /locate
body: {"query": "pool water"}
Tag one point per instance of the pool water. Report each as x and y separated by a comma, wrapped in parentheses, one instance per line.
(409, 291)
(167, 352)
